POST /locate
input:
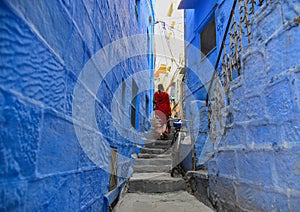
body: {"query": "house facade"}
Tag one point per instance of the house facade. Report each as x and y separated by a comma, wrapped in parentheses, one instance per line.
(242, 71)
(75, 90)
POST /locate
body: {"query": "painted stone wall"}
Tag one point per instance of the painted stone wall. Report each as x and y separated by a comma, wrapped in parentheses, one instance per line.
(198, 73)
(256, 163)
(44, 46)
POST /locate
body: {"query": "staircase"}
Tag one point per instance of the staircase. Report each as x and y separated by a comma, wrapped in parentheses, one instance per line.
(152, 170)
(151, 188)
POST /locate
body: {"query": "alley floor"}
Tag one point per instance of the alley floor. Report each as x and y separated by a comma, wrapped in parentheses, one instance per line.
(179, 201)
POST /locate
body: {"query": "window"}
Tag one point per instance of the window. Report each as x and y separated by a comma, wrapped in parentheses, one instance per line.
(134, 104)
(113, 169)
(147, 106)
(147, 114)
(123, 92)
(137, 9)
(148, 47)
(208, 37)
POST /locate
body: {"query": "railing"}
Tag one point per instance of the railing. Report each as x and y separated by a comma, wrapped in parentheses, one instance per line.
(228, 65)
(237, 35)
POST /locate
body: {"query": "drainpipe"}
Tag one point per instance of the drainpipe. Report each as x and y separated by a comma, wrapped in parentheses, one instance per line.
(151, 64)
(150, 53)
(112, 196)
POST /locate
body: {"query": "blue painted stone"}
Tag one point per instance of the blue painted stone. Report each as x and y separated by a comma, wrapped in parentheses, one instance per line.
(255, 109)
(238, 103)
(288, 168)
(59, 148)
(262, 135)
(294, 203)
(50, 20)
(71, 80)
(290, 10)
(297, 85)
(19, 135)
(227, 164)
(267, 22)
(259, 165)
(260, 199)
(254, 69)
(282, 52)
(94, 183)
(291, 131)
(76, 54)
(27, 66)
(58, 192)
(12, 196)
(200, 142)
(255, 167)
(279, 101)
(44, 47)
(212, 167)
(234, 136)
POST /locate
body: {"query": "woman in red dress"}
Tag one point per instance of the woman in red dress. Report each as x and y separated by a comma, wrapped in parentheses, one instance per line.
(162, 107)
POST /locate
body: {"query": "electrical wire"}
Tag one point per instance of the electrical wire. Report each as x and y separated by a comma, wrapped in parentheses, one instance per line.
(169, 47)
(164, 49)
(163, 32)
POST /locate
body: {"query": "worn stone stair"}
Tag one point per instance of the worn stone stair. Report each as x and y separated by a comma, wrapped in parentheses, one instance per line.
(153, 151)
(151, 187)
(155, 183)
(160, 144)
(147, 155)
(153, 161)
(152, 169)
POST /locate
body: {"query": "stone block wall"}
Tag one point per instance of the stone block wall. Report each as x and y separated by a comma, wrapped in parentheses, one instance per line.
(256, 166)
(44, 45)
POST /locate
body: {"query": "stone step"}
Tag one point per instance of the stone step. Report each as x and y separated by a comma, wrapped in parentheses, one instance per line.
(168, 141)
(155, 183)
(153, 136)
(146, 155)
(151, 168)
(153, 150)
(179, 201)
(159, 144)
(153, 161)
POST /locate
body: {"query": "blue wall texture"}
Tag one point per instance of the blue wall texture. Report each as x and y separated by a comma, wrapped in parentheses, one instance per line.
(44, 45)
(256, 164)
(197, 72)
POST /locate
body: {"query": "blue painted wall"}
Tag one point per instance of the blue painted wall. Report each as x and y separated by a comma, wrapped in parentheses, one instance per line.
(256, 163)
(195, 21)
(44, 45)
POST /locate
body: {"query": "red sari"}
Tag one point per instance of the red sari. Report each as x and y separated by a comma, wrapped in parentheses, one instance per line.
(163, 108)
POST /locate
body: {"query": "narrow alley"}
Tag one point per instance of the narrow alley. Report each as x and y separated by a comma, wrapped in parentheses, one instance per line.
(152, 186)
(150, 105)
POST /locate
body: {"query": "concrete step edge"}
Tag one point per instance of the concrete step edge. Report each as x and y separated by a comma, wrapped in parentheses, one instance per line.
(153, 150)
(158, 179)
(146, 155)
(151, 168)
(159, 186)
(158, 161)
